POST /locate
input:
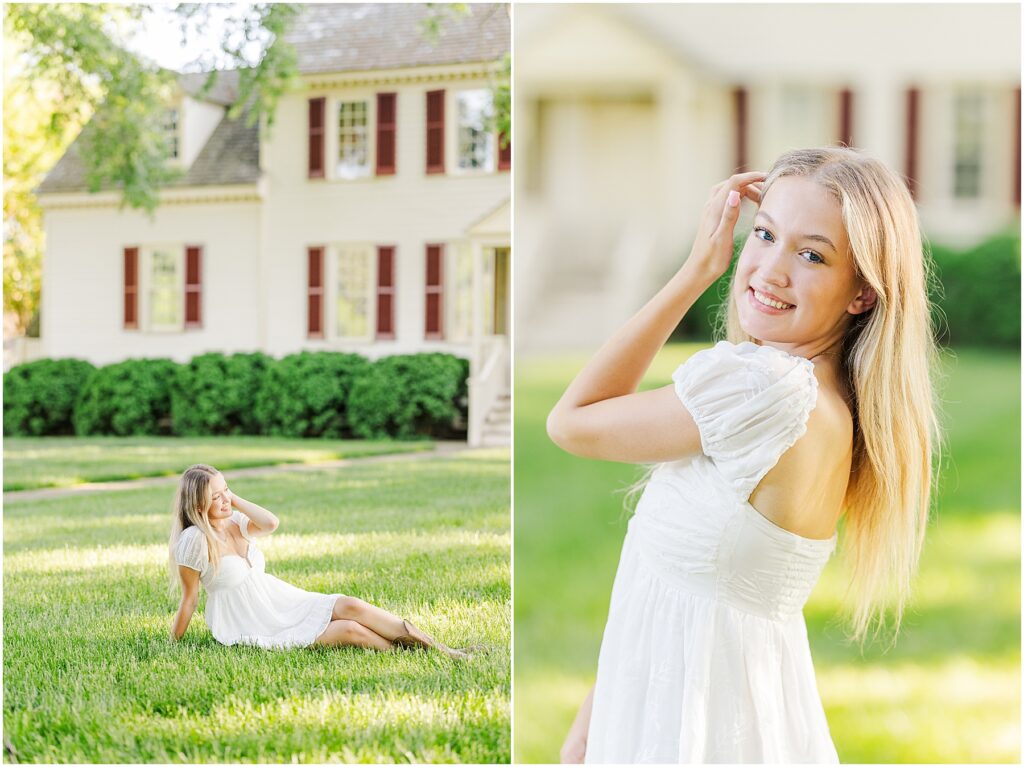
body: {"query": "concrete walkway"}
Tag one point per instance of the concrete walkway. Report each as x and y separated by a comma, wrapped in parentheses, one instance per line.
(440, 450)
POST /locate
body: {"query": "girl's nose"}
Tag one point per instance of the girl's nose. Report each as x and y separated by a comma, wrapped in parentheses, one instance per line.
(772, 268)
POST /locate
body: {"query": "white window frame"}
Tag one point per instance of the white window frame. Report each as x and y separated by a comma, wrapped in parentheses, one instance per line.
(981, 106)
(490, 135)
(458, 292)
(808, 115)
(171, 127)
(146, 287)
(333, 294)
(334, 131)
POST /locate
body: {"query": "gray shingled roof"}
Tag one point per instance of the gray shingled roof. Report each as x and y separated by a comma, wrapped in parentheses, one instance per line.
(341, 37)
(335, 37)
(231, 156)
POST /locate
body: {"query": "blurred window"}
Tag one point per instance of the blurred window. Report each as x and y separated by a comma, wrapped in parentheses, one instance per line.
(476, 140)
(355, 290)
(166, 287)
(353, 139)
(460, 295)
(968, 127)
(807, 115)
(170, 129)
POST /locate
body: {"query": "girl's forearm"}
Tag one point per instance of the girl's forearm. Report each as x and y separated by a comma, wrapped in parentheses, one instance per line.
(618, 366)
(182, 619)
(263, 518)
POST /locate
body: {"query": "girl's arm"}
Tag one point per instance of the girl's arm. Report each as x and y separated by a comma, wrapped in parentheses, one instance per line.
(261, 521)
(574, 750)
(189, 600)
(601, 415)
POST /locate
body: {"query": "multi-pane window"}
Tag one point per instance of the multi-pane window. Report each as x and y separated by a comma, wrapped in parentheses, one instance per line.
(460, 293)
(355, 288)
(353, 139)
(968, 128)
(476, 141)
(170, 129)
(165, 288)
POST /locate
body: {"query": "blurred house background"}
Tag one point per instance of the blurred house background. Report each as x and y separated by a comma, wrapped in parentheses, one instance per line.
(374, 218)
(627, 114)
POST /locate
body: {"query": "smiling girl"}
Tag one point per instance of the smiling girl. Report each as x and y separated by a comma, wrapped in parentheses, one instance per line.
(818, 406)
(213, 543)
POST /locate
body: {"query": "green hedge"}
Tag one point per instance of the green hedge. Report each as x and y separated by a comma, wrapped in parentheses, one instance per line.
(408, 396)
(977, 300)
(309, 394)
(130, 398)
(306, 394)
(975, 297)
(216, 394)
(40, 396)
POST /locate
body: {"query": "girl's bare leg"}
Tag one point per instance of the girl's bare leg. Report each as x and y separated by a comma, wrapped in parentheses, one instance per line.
(379, 621)
(352, 633)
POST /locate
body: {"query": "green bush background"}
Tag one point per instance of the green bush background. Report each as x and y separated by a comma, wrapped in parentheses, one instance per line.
(308, 394)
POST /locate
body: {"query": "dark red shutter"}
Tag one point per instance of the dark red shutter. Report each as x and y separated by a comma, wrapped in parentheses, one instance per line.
(846, 117)
(386, 292)
(435, 280)
(131, 288)
(316, 137)
(315, 294)
(435, 131)
(739, 97)
(1016, 148)
(193, 286)
(910, 169)
(504, 152)
(386, 133)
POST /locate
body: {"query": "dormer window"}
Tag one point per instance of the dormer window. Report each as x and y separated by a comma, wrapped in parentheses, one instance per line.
(476, 142)
(170, 130)
(353, 140)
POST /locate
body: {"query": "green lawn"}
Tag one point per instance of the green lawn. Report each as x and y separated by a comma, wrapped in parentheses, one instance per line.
(66, 461)
(90, 674)
(948, 692)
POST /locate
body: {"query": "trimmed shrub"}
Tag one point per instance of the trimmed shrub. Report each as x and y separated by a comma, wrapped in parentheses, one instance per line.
(977, 300)
(130, 398)
(306, 394)
(216, 395)
(409, 395)
(40, 396)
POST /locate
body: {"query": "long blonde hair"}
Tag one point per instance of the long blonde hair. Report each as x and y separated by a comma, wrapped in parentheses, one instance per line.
(191, 500)
(891, 360)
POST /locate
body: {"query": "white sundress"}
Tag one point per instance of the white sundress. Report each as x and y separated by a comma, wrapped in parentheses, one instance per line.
(245, 605)
(705, 655)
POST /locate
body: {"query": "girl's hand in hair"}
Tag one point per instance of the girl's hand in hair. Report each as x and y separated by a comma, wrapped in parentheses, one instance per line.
(713, 248)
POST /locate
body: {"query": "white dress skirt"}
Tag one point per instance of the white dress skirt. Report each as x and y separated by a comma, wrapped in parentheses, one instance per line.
(246, 605)
(705, 657)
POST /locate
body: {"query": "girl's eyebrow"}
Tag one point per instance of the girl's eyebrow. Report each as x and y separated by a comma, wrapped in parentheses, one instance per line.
(815, 237)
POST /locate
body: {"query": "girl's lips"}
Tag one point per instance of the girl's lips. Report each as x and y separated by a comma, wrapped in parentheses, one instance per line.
(762, 307)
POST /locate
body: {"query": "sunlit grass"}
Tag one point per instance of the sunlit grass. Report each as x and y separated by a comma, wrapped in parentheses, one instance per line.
(90, 674)
(950, 689)
(68, 461)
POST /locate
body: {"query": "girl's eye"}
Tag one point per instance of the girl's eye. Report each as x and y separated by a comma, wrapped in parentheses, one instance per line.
(809, 255)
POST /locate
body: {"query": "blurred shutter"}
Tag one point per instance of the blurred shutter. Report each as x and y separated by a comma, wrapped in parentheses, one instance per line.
(315, 293)
(131, 288)
(910, 170)
(739, 97)
(846, 117)
(386, 133)
(435, 131)
(435, 278)
(504, 153)
(386, 292)
(316, 137)
(193, 286)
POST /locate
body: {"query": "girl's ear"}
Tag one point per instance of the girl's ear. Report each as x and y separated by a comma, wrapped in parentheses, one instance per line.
(863, 301)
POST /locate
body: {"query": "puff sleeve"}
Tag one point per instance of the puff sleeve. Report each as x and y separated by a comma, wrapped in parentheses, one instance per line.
(191, 550)
(243, 523)
(751, 404)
